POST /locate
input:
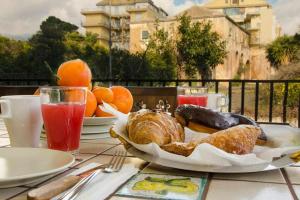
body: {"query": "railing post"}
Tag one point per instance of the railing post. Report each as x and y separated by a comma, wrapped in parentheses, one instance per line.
(271, 102)
(299, 111)
(217, 86)
(256, 100)
(284, 104)
(243, 97)
(229, 96)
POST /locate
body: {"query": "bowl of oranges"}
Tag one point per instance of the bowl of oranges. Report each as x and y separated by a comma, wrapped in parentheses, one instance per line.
(77, 73)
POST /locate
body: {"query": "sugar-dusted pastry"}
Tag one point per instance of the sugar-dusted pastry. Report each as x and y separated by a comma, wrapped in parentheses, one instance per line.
(146, 126)
(237, 140)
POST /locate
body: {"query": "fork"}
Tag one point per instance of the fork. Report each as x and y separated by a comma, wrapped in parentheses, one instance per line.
(115, 165)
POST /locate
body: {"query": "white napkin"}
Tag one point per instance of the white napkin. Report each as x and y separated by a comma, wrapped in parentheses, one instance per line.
(104, 184)
(285, 139)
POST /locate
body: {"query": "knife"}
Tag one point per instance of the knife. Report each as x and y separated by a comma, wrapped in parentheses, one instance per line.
(56, 187)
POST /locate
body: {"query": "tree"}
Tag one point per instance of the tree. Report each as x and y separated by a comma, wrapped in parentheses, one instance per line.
(283, 50)
(47, 44)
(161, 55)
(13, 56)
(199, 47)
(87, 48)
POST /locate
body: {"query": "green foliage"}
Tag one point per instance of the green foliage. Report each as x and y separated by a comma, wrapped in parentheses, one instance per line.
(199, 47)
(128, 66)
(88, 49)
(283, 50)
(48, 44)
(13, 56)
(161, 55)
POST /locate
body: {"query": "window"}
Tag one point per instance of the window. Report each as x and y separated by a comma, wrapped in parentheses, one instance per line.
(145, 35)
(226, 1)
(235, 1)
(138, 17)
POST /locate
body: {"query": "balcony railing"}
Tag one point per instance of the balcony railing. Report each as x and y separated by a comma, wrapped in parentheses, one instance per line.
(240, 93)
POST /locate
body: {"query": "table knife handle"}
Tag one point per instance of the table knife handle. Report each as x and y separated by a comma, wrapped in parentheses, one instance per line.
(53, 188)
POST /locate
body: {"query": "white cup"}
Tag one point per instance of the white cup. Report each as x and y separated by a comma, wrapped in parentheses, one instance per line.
(23, 119)
(216, 101)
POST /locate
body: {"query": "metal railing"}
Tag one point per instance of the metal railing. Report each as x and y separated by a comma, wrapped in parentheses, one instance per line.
(240, 88)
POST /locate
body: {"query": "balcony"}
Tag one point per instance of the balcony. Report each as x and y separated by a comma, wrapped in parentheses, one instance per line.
(95, 24)
(238, 18)
(255, 41)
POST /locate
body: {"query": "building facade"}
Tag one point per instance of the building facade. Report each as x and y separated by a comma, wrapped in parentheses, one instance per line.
(257, 17)
(237, 39)
(121, 13)
(247, 26)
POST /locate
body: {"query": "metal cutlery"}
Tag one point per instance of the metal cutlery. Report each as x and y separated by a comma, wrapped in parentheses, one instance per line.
(116, 163)
(59, 186)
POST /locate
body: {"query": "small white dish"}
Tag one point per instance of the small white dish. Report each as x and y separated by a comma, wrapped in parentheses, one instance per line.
(94, 136)
(95, 129)
(17, 168)
(92, 121)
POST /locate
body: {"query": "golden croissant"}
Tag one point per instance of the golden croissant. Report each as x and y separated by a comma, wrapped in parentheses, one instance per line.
(146, 126)
(239, 139)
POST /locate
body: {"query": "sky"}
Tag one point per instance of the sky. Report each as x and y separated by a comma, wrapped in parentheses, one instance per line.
(22, 18)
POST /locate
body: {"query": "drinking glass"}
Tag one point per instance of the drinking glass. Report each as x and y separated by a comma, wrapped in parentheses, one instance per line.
(63, 111)
(192, 95)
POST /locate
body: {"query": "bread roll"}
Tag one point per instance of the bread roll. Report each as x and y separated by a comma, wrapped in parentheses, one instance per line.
(146, 126)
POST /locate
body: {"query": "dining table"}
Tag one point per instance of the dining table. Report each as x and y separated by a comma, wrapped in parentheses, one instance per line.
(281, 184)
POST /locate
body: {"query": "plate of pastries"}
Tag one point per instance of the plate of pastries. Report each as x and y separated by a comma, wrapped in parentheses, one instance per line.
(201, 139)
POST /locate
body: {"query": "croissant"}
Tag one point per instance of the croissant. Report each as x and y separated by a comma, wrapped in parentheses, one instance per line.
(239, 139)
(146, 126)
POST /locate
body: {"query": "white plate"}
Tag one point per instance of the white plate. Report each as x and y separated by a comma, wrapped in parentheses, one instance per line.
(99, 120)
(94, 136)
(19, 166)
(95, 129)
(92, 129)
(280, 163)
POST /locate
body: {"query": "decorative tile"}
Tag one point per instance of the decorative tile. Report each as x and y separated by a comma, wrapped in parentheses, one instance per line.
(293, 174)
(240, 190)
(273, 176)
(9, 192)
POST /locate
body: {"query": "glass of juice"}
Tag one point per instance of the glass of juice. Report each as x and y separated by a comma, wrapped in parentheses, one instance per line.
(192, 95)
(63, 111)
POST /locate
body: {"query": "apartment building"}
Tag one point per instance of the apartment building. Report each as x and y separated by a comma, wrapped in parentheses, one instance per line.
(236, 37)
(257, 17)
(247, 26)
(121, 13)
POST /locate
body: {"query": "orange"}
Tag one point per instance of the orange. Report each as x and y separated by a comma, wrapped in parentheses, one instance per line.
(90, 86)
(101, 113)
(103, 94)
(91, 104)
(122, 99)
(74, 73)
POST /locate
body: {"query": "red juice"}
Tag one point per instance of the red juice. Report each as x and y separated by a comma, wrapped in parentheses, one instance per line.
(195, 100)
(63, 124)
